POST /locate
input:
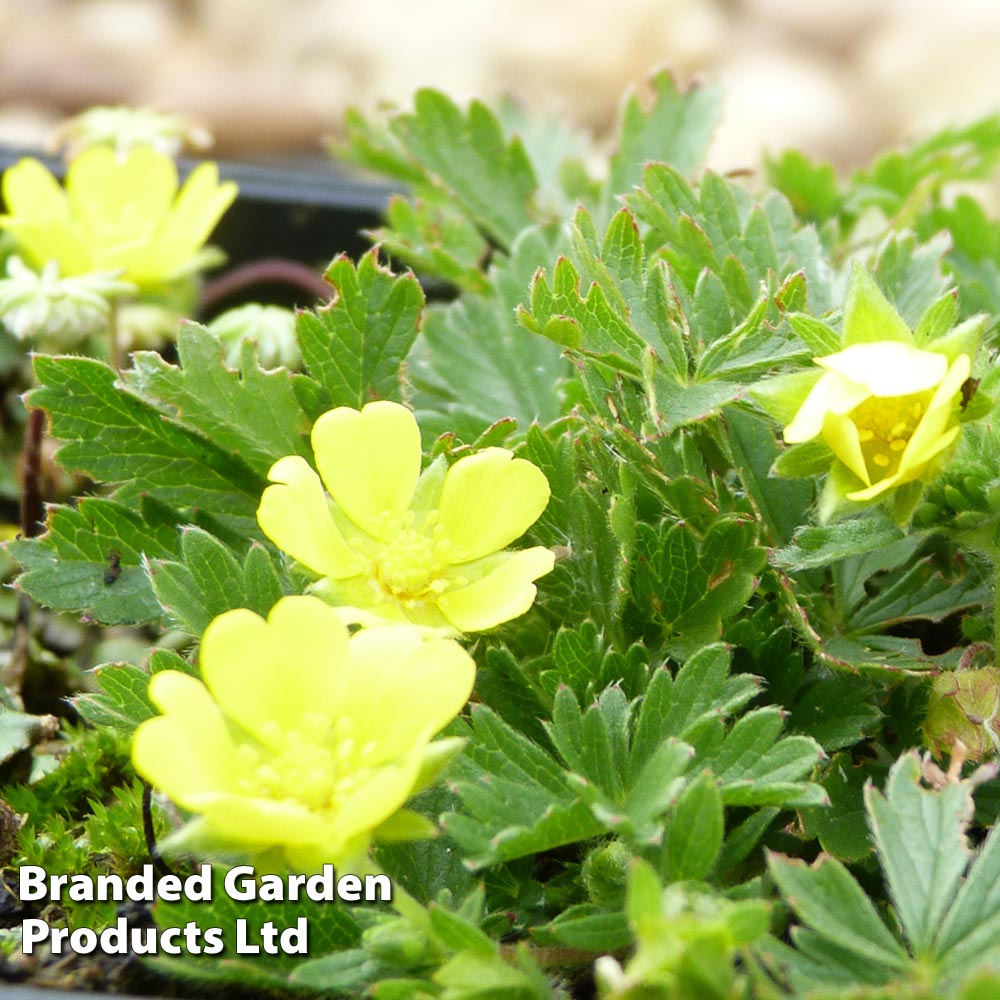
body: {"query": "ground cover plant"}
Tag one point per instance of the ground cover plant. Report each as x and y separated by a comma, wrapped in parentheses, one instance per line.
(630, 605)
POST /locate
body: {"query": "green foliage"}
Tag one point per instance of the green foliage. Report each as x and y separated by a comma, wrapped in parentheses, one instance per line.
(688, 585)
(355, 346)
(619, 770)
(708, 677)
(943, 896)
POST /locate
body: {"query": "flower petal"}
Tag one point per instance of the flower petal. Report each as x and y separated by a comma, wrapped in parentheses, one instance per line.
(403, 688)
(187, 752)
(174, 248)
(888, 368)
(296, 516)
(841, 434)
(502, 594)
(369, 461)
(831, 394)
(939, 413)
(41, 241)
(30, 190)
(39, 219)
(199, 206)
(249, 820)
(379, 796)
(906, 475)
(488, 500)
(118, 199)
(270, 675)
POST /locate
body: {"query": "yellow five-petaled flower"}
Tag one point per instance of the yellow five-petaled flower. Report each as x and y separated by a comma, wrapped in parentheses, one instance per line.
(118, 213)
(887, 410)
(884, 412)
(392, 543)
(302, 737)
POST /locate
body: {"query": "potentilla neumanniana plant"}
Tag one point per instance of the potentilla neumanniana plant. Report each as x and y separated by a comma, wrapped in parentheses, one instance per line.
(391, 543)
(884, 412)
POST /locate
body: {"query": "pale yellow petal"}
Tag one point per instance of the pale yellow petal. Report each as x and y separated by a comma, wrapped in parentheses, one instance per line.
(831, 394)
(268, 676)
(939, 414)
(174, 248)
(379, 796)
(295, 515)
(908, 474)
(502, 594)
(250, 820)
(187, 752)
(39, 242)
(404, 687)
(488, 500)
(841, 435)
(369, 460)
(888, 368)
(199, 206)
(30, 190)
(118, 199)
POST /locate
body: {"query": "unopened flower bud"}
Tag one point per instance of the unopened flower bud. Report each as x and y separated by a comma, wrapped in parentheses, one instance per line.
(963, 705)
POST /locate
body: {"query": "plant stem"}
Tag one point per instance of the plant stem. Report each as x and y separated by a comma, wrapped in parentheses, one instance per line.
(270, 270)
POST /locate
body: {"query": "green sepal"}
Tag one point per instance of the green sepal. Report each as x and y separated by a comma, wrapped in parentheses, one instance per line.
(405, 824)
(833, 503)
(799, 461)
(904, 501)
(938, 318)
(819, 337)
(437, 757)
(962, 339)
(869, 317)
(781, 397)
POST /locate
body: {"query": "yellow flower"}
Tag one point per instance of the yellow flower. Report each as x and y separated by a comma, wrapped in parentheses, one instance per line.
(117, 213)
(886, 409)
(302, 737)
(397, 544)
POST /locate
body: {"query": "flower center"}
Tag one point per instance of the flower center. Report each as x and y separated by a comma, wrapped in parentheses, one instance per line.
(314, 765)
(408, 568)
(885, 425)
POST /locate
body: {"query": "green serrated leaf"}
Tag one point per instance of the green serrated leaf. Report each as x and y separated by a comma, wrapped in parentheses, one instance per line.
(819, 546)
(828, 899)
(90, 560)
(252, 413)
(328, 928)
(674, 128)
(475, 364)
(123, 702)
(469, 156)
(810, 187)
(588, 927)
(921, 842)
(842, 828)
(211, 580)
(691, 585)
(435, 239)
(116, 437)
(355, 346)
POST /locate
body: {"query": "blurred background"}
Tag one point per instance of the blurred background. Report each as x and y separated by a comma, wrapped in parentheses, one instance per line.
(272, 78)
